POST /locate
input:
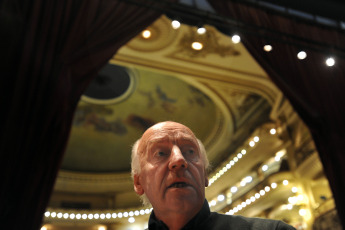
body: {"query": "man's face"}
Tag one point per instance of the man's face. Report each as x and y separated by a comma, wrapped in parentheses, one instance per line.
(172, 171)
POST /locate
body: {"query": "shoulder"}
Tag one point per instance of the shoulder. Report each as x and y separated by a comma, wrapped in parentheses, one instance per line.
(241, 222)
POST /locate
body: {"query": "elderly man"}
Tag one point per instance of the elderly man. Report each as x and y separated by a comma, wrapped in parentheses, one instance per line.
(169, 170)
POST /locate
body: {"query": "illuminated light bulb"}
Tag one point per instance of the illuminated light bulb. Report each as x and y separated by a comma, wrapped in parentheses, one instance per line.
(147, 211)
(114, 215)
(285, 182)
(277, 158)
(248, 201)
(47, 214)
(175, 24)
(251, 143)
(201, 30)
(235, 210)
(125, 214)
(274, 185)
(289, 206)
(232, 163)
(101, 228)
(131, 220)
(273, 131)
(268, 48)
(262, 192)
(228, 166)
(292, 200)
(197, 46)
(84, 216)
(239, 207)
(294, 189)
(120, 215)
(243, 204)
(213, 203)
(96, 216)
(78, 216)
(59, 215)
(44, 228)
(72, 216)
(301, 55)
(231, 212)
(243, 151)
(146, 34)
(249, 179)
(142, 212)
(136, 213)
(108, 215)
(236, 39)
(243, 183)
(256, 139)
(267, 189)
(257, 195)
(330, 61)
(302, 212)
(239, 155)
(66, 215)
(90, 216)
(102, 216)
(252, 199)
(264, 168)
(220, 197)
(235, 159)
(233, 189)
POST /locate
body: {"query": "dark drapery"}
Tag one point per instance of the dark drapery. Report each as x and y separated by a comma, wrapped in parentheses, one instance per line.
(316, 91)
(51, 50)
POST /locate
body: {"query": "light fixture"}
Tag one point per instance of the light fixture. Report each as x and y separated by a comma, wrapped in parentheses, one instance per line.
(273, 131)
(330, 61)
(175, 24)
(236, 38)
(201, 30)
(146, 34)
(197, 45)
(131, 220)
(301, 55)
(268, 48)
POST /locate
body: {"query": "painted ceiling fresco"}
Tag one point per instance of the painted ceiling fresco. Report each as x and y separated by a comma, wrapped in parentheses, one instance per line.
(104, 129)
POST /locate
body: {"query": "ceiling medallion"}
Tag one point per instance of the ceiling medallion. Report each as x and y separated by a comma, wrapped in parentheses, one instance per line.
(112, 84)
(209, 41)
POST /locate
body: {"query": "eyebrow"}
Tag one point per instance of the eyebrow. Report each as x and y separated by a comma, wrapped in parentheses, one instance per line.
(161, 138)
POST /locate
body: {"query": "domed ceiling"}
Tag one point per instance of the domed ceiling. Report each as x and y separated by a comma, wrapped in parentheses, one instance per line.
(110, 117)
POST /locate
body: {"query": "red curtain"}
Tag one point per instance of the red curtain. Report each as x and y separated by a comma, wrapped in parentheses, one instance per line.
(316, 91)
(51, 50)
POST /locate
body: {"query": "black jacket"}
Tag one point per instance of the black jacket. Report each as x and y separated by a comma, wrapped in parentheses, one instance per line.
(206, 220)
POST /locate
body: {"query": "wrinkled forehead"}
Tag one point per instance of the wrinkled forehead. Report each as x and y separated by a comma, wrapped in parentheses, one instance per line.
(162, 132)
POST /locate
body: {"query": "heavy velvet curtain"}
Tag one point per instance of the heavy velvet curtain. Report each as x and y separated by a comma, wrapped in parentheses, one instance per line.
(316, 91)
(50, 51)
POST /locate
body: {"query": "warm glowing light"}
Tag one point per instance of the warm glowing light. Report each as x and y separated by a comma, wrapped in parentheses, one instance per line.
(175, 24)
(285, 182)
(243, 151)
(101, 228)
(131, 220)
(251, 143)
(302, 212)
(236, 39)
(59, 215)
(146, 34)
(201, 30)
(233, 189)
(256, 139)
(273, 131)
(268, 48)
(44, 228)
(294, 189)
(220, 197)
(330, 61)
(289, 206)
(273, 185)
(301, 55)
(47, 214)
(264, 168)
(197, 45)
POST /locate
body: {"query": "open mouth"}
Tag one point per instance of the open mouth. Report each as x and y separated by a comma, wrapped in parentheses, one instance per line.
(178, 185)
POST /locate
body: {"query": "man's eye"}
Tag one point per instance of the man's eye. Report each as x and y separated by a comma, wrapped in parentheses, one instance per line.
(161, 153)
(190, 151)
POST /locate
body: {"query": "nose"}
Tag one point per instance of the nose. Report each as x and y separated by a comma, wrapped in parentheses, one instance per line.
(177, 160)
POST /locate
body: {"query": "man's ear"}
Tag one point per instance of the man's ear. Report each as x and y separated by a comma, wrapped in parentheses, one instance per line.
(137, 185)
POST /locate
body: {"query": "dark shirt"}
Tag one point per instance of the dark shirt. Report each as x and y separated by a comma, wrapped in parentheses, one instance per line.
(206, 220)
